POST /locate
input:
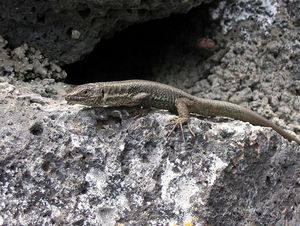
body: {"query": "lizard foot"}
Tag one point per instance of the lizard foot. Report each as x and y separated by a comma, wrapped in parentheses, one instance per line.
(179, 121)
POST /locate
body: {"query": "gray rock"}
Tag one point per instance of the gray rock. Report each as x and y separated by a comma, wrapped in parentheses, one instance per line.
(24, 63)
(241, 96)
(69, 164)
(64, 165)
(68, 30)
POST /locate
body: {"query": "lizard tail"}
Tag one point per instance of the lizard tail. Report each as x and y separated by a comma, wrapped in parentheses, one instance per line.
(247, 115)
(222, 108)
(255, 119)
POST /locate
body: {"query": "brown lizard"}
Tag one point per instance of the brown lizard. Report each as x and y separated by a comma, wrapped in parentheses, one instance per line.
(153, 94)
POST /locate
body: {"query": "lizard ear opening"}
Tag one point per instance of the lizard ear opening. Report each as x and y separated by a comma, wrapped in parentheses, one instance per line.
(102, 92)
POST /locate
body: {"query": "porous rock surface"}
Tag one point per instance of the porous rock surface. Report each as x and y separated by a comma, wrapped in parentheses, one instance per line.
(24, 63)
(65, 31)
(256, 66)
(62, 164)
(67, 164)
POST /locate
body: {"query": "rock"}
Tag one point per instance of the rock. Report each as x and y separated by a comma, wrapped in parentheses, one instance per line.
(69, 30)
(24, 63)
(69, 164)
(63, 164)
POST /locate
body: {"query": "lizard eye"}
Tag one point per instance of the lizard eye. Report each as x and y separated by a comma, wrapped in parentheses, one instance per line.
(85, 91)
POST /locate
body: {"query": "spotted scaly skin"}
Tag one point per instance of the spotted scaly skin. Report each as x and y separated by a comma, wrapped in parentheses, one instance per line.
(153, 94)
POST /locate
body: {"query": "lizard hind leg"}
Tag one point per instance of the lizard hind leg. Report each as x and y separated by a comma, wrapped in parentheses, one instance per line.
(179, 121)
(184, 115)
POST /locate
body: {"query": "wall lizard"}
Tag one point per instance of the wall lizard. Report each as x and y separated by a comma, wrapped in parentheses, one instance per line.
(153, 94)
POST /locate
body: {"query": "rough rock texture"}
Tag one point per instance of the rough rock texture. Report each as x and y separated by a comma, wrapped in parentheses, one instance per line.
(24, 63)
(257, 64)
(65, 165)
(67, 30)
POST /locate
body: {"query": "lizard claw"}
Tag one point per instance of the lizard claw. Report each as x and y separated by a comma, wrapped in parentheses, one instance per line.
(190, 129)
(179, 121)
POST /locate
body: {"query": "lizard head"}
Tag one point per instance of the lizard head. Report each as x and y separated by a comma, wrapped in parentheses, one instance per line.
(86, 94)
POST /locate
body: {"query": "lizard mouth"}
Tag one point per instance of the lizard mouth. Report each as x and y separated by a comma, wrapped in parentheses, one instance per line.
(73, 98)
(89, 101)
(77, 99)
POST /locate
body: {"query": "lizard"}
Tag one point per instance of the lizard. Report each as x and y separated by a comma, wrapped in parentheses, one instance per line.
(145, 93)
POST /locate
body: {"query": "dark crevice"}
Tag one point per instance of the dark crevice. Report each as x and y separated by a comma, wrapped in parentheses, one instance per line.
(40, 18)
(84, 13)
(37, 128)
(133, 52)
